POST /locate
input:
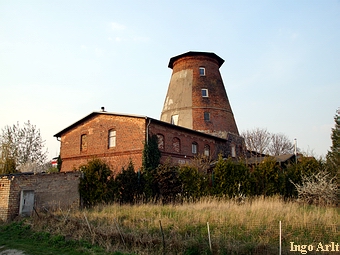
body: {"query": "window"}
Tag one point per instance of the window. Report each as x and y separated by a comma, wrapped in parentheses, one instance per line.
(194, 148)
(83, 143)
(160, 140)
(174, 119)
(207, 150)
(202, 71)
(205, 93)
(233, 151)
(206, 116)
(112, 138)
(176, 144)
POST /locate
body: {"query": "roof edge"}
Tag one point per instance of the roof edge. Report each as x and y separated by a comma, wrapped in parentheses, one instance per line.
(196, 53)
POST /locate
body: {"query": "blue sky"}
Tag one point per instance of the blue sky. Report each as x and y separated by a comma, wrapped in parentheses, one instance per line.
(61, 60)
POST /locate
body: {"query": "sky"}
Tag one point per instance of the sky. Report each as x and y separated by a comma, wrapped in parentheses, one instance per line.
(61, 60)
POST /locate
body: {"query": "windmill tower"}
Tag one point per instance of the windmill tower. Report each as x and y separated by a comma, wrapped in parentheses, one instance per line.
(196, 96)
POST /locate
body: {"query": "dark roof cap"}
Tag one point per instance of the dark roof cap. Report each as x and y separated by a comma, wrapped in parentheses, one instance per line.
(196, 53)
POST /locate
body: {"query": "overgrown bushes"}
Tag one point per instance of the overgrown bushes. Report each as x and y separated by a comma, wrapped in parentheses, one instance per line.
(171, 184)
(168, 183)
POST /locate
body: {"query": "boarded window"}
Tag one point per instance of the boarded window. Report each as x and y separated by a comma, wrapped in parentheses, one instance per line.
(160, 139)
(83, 143)
(176, 144)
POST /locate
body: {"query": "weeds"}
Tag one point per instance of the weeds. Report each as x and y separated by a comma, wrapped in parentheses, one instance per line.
(252, 227)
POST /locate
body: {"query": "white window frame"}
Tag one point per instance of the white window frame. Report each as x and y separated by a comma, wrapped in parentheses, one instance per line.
(112, 138)
(205, 93)
(201, 71)
(194, 148)
(174, 119)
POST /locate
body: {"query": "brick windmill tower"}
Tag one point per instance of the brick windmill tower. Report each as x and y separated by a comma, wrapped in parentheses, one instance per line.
(196, 96)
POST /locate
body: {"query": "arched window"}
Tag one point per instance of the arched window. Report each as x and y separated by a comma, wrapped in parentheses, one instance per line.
(112, 138)
(83, 142)
(176, 144)
(207, 150)
(194, 148)
(160, 139)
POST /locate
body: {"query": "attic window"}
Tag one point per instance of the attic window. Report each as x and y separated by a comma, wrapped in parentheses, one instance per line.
(205, 93)
(112, 138)
(83, 143)
(202, 71)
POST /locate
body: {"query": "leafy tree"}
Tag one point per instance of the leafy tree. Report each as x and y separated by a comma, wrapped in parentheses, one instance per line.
(333, 156)
(231, 178)
(194, 183)
(21, 147)
(96, 184)
(151, 160)
(127, 184)
(151, 154)
(169, 184)
(267, 178)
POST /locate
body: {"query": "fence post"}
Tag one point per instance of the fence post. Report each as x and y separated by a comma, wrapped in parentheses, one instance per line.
(280, 247)
(209, 237)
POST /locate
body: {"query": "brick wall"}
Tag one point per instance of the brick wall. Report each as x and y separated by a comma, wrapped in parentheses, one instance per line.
(216, 104)
(130, 137)
(51, 191)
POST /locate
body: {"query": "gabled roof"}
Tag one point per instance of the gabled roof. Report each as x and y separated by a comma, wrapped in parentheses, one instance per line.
(134, 116)
(93, 114)
(196, 53)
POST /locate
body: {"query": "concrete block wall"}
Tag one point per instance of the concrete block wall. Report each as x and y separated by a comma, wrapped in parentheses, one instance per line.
(51, 191)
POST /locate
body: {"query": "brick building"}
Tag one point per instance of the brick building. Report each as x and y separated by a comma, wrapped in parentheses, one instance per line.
(196, 119)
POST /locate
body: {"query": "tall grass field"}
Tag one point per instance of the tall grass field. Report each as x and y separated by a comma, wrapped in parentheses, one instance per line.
(210, 226)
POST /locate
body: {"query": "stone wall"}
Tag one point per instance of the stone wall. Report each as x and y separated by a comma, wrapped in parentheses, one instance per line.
(51, 191)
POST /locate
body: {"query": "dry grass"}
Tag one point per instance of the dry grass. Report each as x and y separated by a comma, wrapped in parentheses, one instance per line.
(252, 227)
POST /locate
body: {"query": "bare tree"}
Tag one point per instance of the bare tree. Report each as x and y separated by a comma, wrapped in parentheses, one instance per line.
(257, 139)
(21, 147)
(280, 144)
(318, 189)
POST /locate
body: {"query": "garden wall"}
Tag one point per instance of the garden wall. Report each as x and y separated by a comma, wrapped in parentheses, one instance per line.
(25, 192)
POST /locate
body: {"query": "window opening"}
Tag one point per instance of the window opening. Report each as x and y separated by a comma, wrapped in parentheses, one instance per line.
(112, 138)
(160, 140)
(207, 150)
(83, 143)
(206, 116)
(174, 119)
(194, 148)
(205, 93)
(202, 71)
(176, 144)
